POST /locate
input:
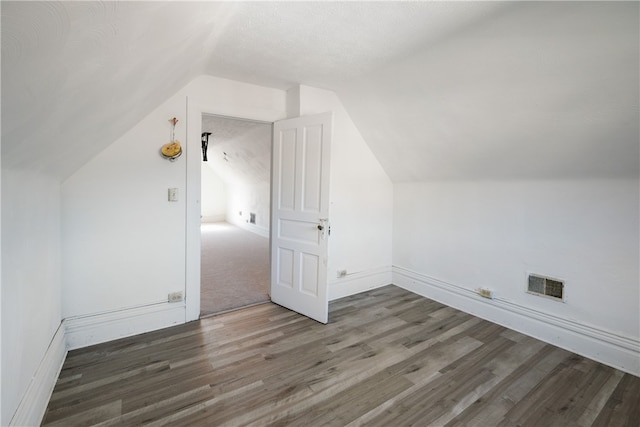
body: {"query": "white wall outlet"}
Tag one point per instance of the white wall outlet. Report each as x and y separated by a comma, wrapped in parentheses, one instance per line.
(485, 293)
(175, 296)
(342, 273)
(173, 194)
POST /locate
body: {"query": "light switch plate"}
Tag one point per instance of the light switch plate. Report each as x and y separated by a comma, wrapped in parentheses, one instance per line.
(173, 194)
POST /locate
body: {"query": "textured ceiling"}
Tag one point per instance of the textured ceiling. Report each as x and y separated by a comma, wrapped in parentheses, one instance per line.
(78, 75)
(239, 151)
(540, 91)
(440, 90)
(325, 44)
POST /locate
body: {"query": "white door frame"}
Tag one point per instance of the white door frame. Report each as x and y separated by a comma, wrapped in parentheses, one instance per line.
(193, 154)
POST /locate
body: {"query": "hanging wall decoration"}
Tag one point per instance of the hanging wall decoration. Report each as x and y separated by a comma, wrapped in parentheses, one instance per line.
(173, 149)
(205, 145)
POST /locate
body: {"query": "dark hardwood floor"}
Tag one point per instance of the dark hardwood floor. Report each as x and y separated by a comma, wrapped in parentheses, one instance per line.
(387, 358)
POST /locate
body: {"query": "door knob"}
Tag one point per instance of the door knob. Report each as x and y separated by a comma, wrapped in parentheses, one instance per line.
(320, 227)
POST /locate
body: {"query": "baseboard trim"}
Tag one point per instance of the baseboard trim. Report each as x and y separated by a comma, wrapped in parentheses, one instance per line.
(612, 349)
(83, 331)
(34, 402)
(362, 281)
(213, 218)
(253, 228)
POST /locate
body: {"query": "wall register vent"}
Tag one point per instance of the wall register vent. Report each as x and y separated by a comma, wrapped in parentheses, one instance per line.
(546, 286)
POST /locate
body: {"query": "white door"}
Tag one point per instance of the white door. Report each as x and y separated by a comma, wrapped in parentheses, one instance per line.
(299, 218)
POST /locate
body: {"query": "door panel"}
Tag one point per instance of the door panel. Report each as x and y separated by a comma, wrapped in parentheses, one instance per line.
(312, 170)
(298, 231)
(300, 209)
(285, 268)
(310, 267)
(287, 174)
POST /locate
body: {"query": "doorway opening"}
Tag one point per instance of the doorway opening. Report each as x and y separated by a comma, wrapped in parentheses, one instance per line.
(235, 214)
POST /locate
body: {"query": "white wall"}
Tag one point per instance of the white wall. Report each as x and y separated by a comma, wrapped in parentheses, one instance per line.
(234, 201)
(123, 241)
(250, 198)
(470, 234)
(124, 244)
(239, 154)
(214, 196)
(31, 288)
(361, 202)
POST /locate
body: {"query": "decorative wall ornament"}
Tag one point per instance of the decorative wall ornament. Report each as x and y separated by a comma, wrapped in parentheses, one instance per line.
(205, 145)
(173, 149)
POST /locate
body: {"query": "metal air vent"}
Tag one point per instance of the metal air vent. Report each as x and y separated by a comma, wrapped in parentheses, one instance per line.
(546, 286)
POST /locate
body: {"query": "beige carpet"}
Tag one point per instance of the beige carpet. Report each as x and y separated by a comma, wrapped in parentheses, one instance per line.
(235, 268)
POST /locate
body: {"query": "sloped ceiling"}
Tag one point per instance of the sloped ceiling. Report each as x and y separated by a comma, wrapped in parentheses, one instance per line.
(78, 75)
(539, 91)
(440, 90)
(239, 151)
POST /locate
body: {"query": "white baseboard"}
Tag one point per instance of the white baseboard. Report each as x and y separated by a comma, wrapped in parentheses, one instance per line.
(256, 229)
(361, 281)
(34, 402)
(603, 346)
(213, 218)
(84, 331)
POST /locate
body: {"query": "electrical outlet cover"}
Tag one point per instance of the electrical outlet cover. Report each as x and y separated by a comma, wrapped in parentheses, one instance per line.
(175, 296)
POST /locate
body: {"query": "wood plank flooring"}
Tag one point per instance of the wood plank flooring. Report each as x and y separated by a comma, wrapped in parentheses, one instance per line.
(387, 358)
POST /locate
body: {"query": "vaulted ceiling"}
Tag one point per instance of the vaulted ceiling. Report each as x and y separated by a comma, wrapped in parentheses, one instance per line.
(439, 90)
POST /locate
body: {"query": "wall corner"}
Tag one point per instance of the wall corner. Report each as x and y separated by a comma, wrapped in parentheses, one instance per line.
(293, 102)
